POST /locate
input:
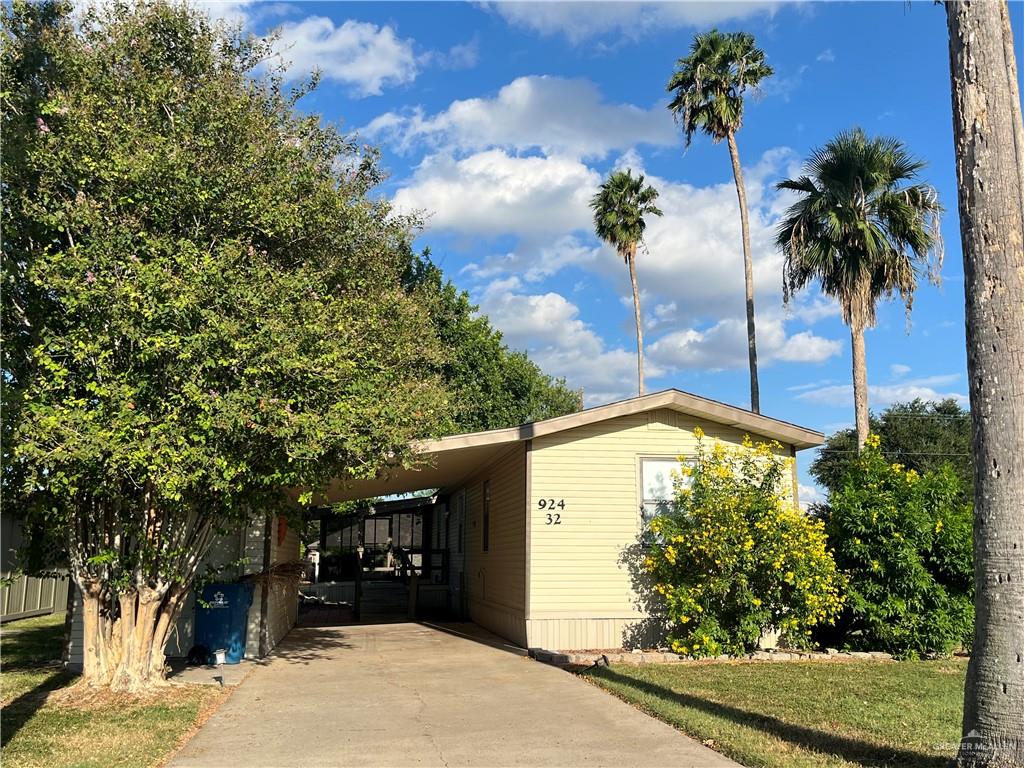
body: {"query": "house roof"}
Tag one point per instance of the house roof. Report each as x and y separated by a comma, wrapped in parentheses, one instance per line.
(452, 459)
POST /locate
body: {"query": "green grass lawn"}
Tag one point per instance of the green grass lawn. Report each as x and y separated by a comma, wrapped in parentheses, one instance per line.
(90, 731)
(801, 714)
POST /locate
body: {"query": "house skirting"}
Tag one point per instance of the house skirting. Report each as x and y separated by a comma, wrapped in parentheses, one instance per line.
(586, 633)
(501, 620)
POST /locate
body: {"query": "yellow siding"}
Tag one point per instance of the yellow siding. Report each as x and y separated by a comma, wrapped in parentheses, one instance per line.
(496, 579)
(581, 593)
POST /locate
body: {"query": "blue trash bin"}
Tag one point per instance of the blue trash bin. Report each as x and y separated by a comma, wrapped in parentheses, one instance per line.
(223, 620)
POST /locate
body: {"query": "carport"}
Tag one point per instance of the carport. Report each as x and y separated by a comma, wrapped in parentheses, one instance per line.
(407, 558)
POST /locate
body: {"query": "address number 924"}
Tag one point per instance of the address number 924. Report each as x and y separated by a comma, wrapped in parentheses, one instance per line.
(553, 518)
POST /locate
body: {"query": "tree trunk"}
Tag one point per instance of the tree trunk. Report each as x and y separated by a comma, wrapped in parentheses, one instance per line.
(860, 380)
(988, 133)
(124, 639)
(631, 263)
(748, 273)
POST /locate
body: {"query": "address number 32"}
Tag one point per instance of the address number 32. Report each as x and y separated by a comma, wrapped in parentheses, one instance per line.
(552, 518)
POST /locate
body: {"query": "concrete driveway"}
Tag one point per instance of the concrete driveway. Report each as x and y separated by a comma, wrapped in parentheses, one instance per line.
(410, 694)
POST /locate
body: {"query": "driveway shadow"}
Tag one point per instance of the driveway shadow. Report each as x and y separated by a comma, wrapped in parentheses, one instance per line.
(468, 631)
(305, 645)
(859, 752)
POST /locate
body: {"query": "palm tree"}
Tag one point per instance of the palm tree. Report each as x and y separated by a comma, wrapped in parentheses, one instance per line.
(864, 228)
(619, 209)
(709, 85)
(988, 132)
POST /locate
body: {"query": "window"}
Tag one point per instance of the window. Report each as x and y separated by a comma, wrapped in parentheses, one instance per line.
(487, 516)
(658, 476)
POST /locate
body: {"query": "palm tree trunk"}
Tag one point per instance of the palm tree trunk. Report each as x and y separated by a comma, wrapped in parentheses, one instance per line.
(989, 139)
(748, 273)
(860, 380)
(631, 262)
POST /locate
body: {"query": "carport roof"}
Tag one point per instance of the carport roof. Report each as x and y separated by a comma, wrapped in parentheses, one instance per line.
(449, 460)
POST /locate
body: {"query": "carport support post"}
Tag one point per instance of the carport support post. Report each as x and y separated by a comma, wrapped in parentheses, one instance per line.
(268, 530)
(357, 599)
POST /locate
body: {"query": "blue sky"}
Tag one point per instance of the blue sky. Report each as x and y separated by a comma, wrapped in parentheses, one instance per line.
(497, 121)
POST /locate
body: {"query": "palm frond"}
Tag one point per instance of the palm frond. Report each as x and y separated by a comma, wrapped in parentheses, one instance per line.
(708, 85)
(862, 225)
(620, 205)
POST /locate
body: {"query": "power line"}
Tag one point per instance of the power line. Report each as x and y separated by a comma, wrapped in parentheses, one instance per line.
(885, 416)
(895, 453)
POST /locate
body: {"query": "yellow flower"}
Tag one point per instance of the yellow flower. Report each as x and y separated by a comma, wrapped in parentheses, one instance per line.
(698, 433)
(938, 526)
(756, 601)
(873, 441)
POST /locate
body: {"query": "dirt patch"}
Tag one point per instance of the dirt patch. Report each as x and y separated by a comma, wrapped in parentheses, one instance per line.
(87, 698)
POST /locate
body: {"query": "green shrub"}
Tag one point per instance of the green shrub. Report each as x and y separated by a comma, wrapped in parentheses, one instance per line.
(734, 558)
(904, 543)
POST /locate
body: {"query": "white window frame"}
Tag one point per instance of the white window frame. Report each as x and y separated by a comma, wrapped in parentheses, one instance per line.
(644, 503)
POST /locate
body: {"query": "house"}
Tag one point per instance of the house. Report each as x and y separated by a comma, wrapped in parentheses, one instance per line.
(533, 531)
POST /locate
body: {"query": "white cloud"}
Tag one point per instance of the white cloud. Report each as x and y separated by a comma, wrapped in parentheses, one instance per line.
(810, 494)
(898, 370)
(881, 395)
(810, 385)
(694, 255)
(234, 12)
(548, 326)
(580, 21)
(724, 345)
(359, 54)
(492, 193)
(556, 115)
(542, 261)
(811, 308)
(460, 56)
(827, 56)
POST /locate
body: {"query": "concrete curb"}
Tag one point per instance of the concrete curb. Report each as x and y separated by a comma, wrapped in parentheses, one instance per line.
(575, 658)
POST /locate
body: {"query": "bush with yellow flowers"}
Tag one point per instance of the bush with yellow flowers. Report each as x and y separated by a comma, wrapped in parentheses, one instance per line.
(735, 557)
(904, 542)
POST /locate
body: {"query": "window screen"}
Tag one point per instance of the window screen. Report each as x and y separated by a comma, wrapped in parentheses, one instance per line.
(658, 476)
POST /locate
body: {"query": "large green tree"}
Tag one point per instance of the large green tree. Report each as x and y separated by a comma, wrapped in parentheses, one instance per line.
(491, 386)
(988, 132)
(863, 227)
(202, 306)
(708, 88)
(620, 206)
(920, 434)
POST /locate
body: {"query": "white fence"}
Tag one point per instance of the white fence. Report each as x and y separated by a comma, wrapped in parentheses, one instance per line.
(331, 591)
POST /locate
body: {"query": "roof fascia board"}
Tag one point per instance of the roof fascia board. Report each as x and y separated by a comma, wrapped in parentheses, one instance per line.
(671, 398)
